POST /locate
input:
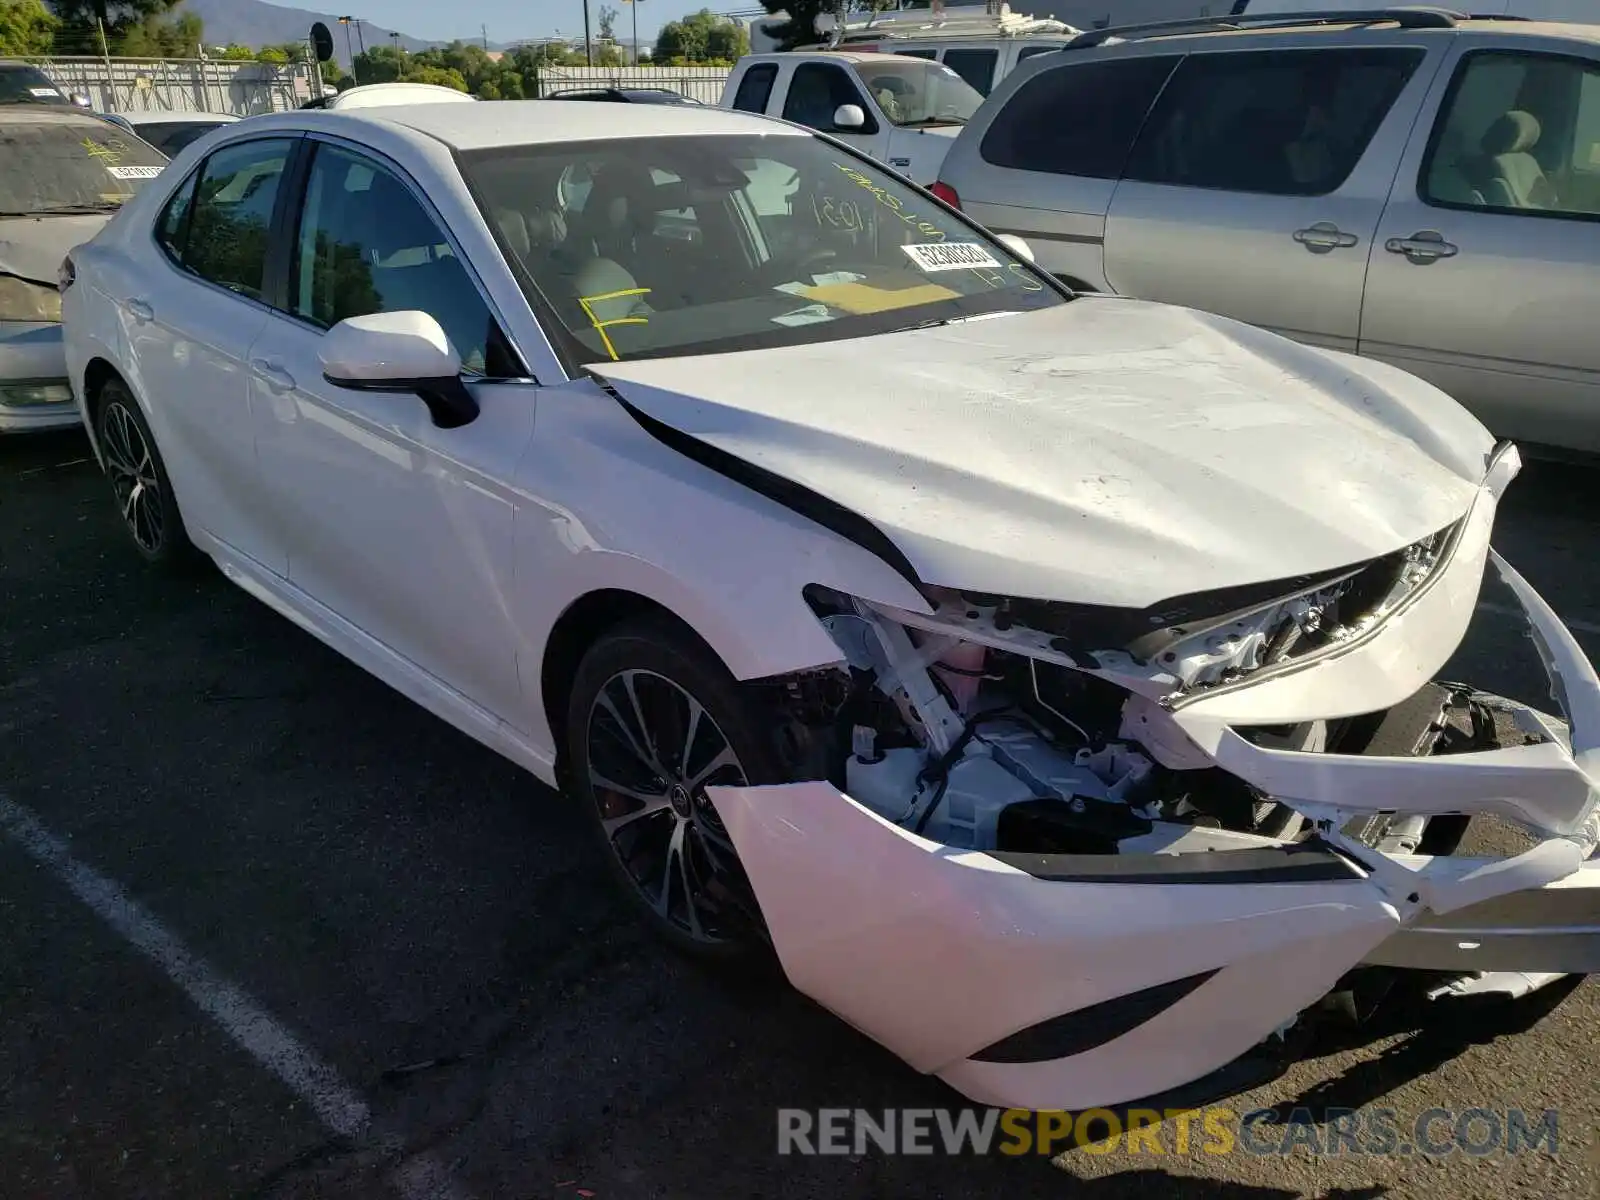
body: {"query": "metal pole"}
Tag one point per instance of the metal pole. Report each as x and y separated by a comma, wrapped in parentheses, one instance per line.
(634, 4)
(588, 44)
(105, 52)
(360, 41)
(349, 49)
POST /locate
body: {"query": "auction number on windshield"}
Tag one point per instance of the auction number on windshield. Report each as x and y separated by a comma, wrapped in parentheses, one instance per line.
(892, 203)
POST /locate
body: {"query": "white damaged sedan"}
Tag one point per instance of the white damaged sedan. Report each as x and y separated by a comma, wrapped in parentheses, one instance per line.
(1048, 681)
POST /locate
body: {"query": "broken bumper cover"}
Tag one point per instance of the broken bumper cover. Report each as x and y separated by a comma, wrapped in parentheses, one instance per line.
(1072, 981)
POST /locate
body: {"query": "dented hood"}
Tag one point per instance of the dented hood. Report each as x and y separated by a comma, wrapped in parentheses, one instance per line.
(1101, 451)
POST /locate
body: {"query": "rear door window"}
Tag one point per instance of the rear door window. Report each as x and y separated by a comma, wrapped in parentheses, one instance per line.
(755, 89)
(1274, 122)
(975, 66)
(1078, 119)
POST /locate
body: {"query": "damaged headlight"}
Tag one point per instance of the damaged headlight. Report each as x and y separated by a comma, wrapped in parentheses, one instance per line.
(24, 300)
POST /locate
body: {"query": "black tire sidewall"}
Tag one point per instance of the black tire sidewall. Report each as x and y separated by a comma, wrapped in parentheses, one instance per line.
(176, 551)
(657, 646)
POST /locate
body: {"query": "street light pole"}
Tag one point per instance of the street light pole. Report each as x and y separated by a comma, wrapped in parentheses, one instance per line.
(588, 43)
(634, 5)
(349, 49)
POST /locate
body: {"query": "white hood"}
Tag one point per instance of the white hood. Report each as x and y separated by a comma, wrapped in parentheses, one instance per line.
(1102, 451)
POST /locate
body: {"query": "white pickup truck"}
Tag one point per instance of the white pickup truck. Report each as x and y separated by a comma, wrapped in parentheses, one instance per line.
(902, 111)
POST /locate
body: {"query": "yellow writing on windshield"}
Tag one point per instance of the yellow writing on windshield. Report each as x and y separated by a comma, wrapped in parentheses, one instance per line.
(105, 153)
(892, 202)
(601, 325)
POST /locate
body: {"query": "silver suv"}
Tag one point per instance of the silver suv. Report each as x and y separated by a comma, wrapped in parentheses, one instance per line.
(1415, 186)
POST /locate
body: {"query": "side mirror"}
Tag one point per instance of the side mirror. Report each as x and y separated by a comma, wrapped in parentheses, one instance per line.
(849, 116)
(399, 352)
(1016, 245)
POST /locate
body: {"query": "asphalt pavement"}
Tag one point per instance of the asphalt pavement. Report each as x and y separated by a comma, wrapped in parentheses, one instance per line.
(268, 930)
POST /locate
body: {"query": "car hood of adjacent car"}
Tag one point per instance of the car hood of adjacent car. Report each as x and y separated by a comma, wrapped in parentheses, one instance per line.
(32, 248)
(1103, 451)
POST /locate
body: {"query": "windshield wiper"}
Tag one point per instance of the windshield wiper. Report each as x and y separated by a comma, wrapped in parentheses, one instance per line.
(933, 121)
(64, 210)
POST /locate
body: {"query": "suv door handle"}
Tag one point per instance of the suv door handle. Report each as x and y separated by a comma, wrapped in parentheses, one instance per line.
(1323, 237)
(270, 371)
(1423, 247)
(140, 310)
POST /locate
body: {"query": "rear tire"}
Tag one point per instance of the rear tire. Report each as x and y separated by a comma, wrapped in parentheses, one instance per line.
(140, 486)
(653, 719)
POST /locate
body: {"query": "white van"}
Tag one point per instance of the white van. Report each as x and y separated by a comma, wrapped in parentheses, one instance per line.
(982, 43)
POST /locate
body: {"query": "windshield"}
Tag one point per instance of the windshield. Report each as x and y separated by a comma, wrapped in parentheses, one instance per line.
(644, 247)
(70, 166)
(916, 92)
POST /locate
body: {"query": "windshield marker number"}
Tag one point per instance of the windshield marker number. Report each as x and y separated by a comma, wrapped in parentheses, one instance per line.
(134, 172)
(950, 256)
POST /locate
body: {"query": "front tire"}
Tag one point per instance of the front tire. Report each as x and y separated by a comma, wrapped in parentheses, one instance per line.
(654, 719)
(139, 482)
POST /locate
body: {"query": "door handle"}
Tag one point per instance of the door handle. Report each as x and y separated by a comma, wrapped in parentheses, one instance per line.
(140, 310)
(1422, 248)
(271, 372)
(1323, 237)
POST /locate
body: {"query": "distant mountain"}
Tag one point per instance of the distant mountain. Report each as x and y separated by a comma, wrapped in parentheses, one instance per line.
(255, 23)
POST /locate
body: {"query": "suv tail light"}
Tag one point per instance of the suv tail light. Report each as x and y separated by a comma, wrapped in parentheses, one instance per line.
(946, 193)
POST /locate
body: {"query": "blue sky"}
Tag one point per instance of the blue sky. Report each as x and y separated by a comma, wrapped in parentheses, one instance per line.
(509, 20)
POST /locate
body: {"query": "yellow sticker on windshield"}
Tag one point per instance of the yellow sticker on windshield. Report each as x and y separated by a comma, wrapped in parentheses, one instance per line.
(860, 298)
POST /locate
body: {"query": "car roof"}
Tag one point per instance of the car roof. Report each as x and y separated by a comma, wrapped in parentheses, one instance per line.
(1290, 24)
(850, 56)
(47, 114)
(396, 93)
(152, 116)
(527, 122)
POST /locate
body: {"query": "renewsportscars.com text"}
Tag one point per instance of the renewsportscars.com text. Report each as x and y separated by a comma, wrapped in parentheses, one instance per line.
(1434, 1132)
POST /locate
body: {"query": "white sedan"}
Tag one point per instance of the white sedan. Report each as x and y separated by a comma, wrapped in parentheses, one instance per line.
(1047, 681)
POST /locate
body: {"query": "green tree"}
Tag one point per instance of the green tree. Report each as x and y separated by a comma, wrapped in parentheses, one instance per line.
(234, 53)
(700, 37)
(27, 28)
(134, 28)
(606, 22)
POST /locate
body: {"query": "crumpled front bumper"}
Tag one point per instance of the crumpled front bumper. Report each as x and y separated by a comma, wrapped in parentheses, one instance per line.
(1071, 981)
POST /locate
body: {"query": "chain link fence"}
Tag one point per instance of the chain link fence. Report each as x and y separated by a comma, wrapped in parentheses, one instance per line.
(183, 85)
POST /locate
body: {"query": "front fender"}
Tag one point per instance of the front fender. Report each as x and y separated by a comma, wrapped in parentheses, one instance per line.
(604, 505)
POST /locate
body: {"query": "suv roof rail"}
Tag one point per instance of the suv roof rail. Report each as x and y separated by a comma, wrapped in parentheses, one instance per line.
(1406, 16)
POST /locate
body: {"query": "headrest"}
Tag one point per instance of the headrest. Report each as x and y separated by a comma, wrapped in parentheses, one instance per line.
(1516, 132)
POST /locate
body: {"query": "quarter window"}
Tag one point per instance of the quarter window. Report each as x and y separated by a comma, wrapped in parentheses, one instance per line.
(174, 226)
(1519, 133)
(366, 245)
(226, 241)
(1286, 123)
(755, 89)
(1077, 119)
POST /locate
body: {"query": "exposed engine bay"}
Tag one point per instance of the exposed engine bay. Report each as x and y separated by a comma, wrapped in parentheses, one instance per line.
(982, 742)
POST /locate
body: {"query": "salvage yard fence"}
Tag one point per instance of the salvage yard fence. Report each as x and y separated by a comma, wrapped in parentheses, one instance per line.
(123, 85)
(698, 83)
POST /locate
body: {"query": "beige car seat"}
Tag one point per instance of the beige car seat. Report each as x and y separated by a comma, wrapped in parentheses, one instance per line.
(1509, 176)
